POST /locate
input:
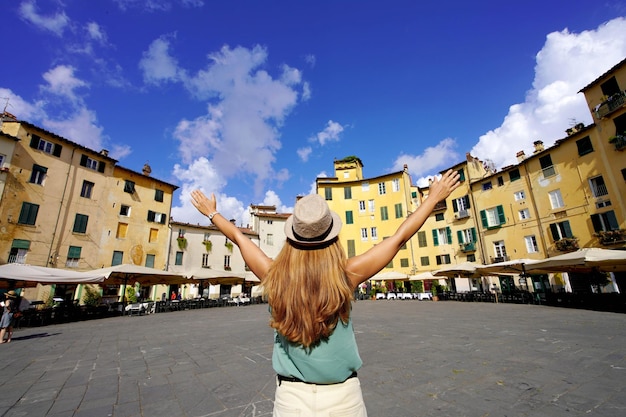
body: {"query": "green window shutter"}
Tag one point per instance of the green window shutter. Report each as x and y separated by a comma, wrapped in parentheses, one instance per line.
(74, 252)
(613, 224)
(28, 213)
(328, 193)
(384, 215)
(596, 222)
(467, 202)
(349, 218)
(351, 249)
(150, 261)
(398, 208)
(483, 218)
(20, 244)
(421, 239)
(461, 175)
(347, 193)
(501, 216)
(459, 236)
(117, 258)
(555, 232)
(455, 206)
(473, 231)
(435, 237)
(449, 234)
(567, 229)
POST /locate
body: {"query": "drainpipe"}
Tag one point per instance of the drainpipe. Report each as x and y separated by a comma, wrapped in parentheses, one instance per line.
(56, 225)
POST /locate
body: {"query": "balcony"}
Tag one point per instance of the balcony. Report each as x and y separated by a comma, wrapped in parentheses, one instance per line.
(619, 141)
(440, 206)
(611, 237)
(468, 247)
(461, 214)
(610, 105)
(567, 244)
(499, 259)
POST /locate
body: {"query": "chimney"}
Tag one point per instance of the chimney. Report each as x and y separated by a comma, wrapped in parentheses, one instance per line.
(146, 170)
(104, 152)
(520, 156)
(538, 146)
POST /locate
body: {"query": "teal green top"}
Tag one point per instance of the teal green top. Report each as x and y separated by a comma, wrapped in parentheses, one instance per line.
(330, 361)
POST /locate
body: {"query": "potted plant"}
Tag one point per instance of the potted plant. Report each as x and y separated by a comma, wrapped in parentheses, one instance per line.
(182, 242)
(229, 245)
(434, 290)
(208, 245)
(567, 244)
(610, 237)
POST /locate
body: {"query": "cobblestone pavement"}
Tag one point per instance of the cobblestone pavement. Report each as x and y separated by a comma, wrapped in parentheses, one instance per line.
(421, 358)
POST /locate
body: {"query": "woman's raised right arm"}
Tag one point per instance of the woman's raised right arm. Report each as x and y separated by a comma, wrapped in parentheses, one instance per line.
(255, 258)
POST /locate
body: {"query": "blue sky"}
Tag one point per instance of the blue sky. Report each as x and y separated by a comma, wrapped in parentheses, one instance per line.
(253, 100)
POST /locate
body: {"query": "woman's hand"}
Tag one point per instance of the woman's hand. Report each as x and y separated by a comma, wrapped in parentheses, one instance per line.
(441, 188)
(204, 204)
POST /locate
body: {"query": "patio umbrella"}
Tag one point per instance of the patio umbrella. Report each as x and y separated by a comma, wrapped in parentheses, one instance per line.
(124, 274)
(30, 276)
(389, 276)
(513, 266)
(464, 269)
(423, 276)
(215, 276)
(584, 260)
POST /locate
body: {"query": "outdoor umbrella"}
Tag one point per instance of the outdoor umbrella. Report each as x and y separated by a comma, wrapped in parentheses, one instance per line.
(464, 269)
(584, 260)
(124, 274)
(215, 276)
(30, 276)
(423, 276)
(513, 266)
(389, 276)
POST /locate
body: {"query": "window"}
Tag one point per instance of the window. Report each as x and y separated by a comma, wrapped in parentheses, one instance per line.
(374, 233)
(38, 174)
(395, 185)
(364, 233)
(86, 189)
(604, 221)
(19, 250)
(519, 195)
(500, 181)
(365, 186)
(226, 262)
(500, 250)
(531, 244)
(90, 163)
(556, 200)
(524, 214)
(487, 186)
(349, 217)
(371, 205)
(153, 236)
(398, 210)
(328, 193)
(347, 193)
(598, 187)
(269, 221)
(471, 257)
(584, 146)
(460, 206)
(514, 175)
(346, 174)
(561, 230)
(158, 195)
(362, 206)
(150, 260)
(205, 260)
(156, 217)
(73, 256)
(118, 256)
(493, 217)
(351, 248)
(269, 239)
(404, 262)
(122, 230)
(443, 259)
(424, 260)
(382, 189)
(466, 235)
(383, 213)
(179, 258)
(28, 213)
(181, 233)
(80, 223)
(125, 210)
(2, 158)
(129, 187)
(461, 175)
(546, 166)
(442, 236)
(421, 239)
(439, 217)
(207, 237)
(43, 145)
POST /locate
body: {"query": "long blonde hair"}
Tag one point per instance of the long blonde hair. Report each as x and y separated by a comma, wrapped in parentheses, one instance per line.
(308, 292)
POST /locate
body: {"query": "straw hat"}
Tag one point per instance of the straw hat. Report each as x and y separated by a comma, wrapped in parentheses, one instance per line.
(11, 294)
(312, 222)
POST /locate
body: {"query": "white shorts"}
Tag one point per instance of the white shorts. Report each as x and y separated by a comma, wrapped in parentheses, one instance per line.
(298, 399)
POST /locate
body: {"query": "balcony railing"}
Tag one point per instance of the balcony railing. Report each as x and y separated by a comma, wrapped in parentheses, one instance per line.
(611, 237)
(499, 259)
(440, 206)
(468, 247)
(567, 244)
(619, 141)
(610, 105)
(17, 259)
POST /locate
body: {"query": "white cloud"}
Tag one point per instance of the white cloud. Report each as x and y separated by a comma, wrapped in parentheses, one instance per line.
(19, 107)
(310, 59)
(331, 133)
(431, 159)
(96, 33)
(157, 64)
(156, 5)
(566, 63)
(62, 82)
(304, 153)
(54, 23)
(80, 127)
